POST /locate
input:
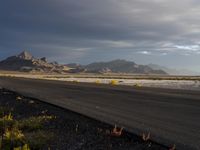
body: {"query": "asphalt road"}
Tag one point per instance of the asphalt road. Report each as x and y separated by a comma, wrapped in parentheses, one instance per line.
(171, 116)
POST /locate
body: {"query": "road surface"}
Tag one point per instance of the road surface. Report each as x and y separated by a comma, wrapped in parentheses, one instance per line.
(171, 116)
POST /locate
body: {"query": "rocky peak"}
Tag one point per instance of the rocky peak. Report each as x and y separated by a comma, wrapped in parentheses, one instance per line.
(25, 55)
(43, 59)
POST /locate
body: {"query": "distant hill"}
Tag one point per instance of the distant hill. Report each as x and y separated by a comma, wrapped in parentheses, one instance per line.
(174, 71)
(26, 62)
(121, 66)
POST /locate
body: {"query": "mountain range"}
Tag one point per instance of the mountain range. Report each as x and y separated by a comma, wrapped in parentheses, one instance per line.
(27, 63)
(121, 66)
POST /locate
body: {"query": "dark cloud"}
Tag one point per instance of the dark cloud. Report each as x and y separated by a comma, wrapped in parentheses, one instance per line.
(87, 30)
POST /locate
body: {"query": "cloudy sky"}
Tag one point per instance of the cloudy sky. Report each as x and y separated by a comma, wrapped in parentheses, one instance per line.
(165, 32)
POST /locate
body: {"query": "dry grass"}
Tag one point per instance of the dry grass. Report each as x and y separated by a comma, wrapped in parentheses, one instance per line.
(23, 134)
(34, 123)
(98, 82)
(24, 147)
(113, 82)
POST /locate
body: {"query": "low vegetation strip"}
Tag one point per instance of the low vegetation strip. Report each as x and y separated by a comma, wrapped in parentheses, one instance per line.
(28, 124)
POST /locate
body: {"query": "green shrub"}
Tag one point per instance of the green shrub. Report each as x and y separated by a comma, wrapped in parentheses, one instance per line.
(38, 139)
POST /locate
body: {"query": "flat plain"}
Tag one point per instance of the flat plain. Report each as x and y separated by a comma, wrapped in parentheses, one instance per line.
(171, 116)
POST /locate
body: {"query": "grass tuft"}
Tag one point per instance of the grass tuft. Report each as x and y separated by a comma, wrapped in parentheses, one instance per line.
(23, 134)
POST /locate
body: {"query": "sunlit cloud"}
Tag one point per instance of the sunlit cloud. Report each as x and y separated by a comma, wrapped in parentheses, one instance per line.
(117, 44)
(144, 52)
(189, 47)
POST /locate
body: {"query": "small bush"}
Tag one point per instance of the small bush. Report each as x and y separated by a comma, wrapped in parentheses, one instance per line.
(34, 123)
(38, 139)
(12, 138)
(8, 117)
(113, 82)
